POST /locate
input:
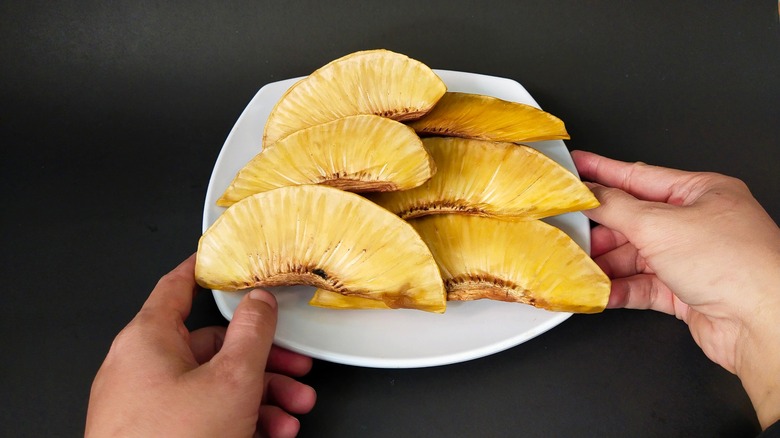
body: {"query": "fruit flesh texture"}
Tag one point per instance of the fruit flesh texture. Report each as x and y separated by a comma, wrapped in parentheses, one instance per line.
(378, 82)
(332, 300)
(527, 262)
(485, 178)
(520, 261)
(359, 153)
(323, 237)
(488, 118)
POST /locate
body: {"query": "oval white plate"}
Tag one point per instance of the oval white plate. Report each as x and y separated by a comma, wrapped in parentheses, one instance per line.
(397, 338)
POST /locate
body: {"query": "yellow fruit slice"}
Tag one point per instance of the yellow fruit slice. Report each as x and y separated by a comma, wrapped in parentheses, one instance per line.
(528, 262)
(323, 237)
(378, 82)
(483, 178)
(489, 118)
(360, 153)
(333, 300)
(520, 261)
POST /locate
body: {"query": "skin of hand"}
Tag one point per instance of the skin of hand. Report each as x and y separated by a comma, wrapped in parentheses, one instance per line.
(700, 247)
(159, 379)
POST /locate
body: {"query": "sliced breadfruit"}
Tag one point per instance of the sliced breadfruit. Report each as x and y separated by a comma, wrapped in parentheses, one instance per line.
(362, 153)
(378, 82)
(528, 262)
(484, 178)
(489, 118)
(334, 300)
(323, 237)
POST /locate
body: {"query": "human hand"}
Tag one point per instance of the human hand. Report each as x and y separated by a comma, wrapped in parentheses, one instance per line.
(159, 379)
(700, 247)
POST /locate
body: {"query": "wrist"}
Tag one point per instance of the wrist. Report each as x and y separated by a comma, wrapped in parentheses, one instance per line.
(758, 363)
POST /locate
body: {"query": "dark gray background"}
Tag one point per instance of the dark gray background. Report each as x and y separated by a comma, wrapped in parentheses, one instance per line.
(112, 114)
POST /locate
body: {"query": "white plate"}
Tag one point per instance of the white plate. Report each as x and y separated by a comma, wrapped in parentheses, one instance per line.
(396, 338)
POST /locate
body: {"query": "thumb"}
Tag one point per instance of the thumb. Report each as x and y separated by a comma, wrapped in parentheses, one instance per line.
(249, 337)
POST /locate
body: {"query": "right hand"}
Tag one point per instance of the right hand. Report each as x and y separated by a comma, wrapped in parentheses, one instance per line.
(700, 247)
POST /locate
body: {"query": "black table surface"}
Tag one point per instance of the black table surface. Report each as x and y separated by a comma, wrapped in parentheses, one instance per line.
(112, 115)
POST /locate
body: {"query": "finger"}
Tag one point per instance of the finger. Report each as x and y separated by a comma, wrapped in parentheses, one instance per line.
(289, 394)
(175, 290)
(642, 291)
(249, 337)
(650, 183)
(603, 239)
(621, 212)
(274, 422)
(623, 261)
(158, 330)
(287, 362)
(206, 342)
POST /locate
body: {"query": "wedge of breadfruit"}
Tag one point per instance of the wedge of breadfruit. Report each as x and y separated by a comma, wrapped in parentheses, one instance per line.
(485, 178)
(489, 118)
(323, 237)
(378, 82)
(334, 300)
(361, 153)
(527, 262)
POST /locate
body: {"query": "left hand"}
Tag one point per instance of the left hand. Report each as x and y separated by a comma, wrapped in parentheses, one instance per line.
(161, 380)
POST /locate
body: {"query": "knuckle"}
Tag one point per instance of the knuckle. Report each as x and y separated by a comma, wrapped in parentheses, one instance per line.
(734, 183)
(631, 172)
(605, 195)
(710, 179)
(713, 180)
(233, 372)
(154, 316)
(125, 340)
(653, 294)
(649, 218)
(176, 277)
(259, 317)
(144, 316)
(639, 263)
(228, 371)
(729, 191)
(696, 184)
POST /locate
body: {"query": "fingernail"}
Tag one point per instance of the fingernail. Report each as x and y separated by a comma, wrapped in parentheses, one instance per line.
(264, 296)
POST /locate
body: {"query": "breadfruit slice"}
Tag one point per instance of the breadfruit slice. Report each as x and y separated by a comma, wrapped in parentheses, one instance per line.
(528, 262)
(323, 237)
(484, 178)
(333, 300)
(488, 118)
(378, 82)
(360, 153)
(520, 261)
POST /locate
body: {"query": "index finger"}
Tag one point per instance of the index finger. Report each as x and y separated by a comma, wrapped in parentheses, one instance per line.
(646, 182)
(175, 290)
